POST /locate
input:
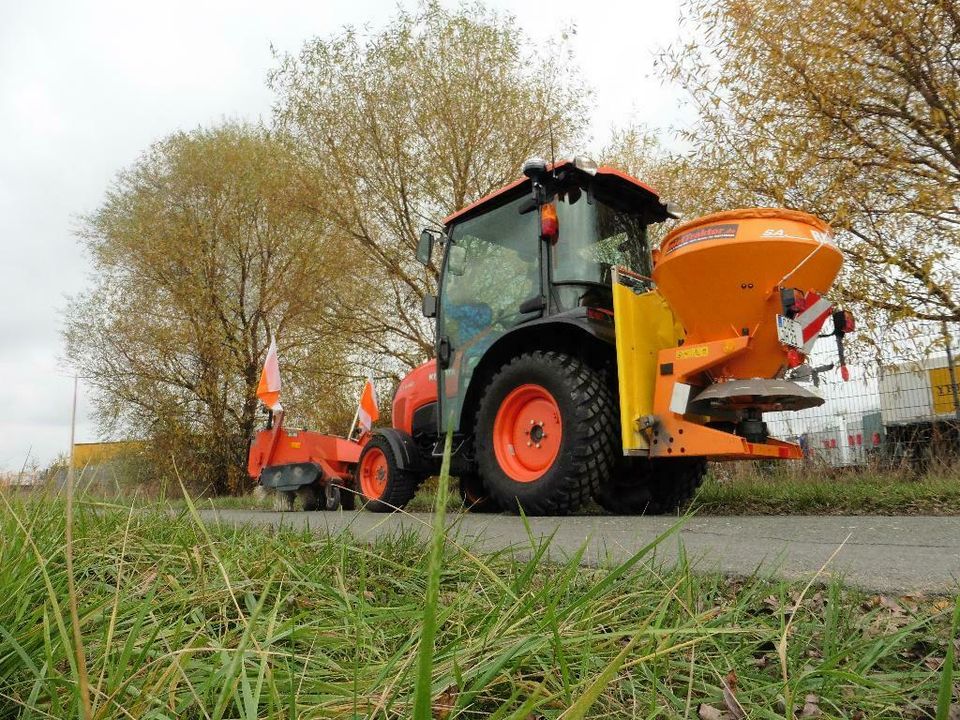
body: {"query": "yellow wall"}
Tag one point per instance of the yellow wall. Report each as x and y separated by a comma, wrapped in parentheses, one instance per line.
(942, 389)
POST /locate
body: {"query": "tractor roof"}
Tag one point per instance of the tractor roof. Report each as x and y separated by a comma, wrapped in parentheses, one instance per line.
(614, 180)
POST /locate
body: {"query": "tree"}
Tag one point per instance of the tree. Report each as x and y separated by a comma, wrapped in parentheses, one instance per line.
(849, 109)
(638, 151)
(201, 252)
(399, 128)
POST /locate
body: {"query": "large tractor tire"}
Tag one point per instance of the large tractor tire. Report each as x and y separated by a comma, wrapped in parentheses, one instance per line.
(545, 434)
(384, 487)
(651, 487)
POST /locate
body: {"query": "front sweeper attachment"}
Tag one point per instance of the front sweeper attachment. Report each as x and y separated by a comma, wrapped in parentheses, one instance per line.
(297, 464)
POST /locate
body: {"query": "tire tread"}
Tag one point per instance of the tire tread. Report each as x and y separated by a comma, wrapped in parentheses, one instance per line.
(594, 456)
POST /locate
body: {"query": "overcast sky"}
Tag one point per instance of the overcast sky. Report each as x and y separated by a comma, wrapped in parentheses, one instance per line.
(85, 87)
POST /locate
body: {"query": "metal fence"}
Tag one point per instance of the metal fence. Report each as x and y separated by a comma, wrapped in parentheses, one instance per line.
(899, 413)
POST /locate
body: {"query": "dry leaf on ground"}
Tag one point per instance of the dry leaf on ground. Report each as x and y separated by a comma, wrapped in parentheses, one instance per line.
(811, 707)
(730, 696)
(444, 704)
(709, 712)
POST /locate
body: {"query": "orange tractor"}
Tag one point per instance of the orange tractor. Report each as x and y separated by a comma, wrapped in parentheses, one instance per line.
(573, 361)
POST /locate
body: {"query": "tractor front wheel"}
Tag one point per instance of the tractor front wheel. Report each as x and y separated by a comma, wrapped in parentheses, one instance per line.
(546, 433)
(383, 486)
(651, 487)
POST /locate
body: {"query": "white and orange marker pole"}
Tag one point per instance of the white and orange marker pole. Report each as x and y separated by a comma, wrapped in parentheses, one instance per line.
(268, 391)
(368, 411)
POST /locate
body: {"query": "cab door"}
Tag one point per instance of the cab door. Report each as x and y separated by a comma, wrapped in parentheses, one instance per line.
(491, 266)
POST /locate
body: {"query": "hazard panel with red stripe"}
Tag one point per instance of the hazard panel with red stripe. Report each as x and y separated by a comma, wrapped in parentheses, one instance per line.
(801, 331)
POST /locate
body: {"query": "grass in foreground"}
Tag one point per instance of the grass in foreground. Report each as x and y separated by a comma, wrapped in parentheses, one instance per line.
(182, 621)
(800, 490)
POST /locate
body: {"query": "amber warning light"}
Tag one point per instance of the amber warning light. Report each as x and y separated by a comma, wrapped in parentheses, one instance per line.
(549, 225)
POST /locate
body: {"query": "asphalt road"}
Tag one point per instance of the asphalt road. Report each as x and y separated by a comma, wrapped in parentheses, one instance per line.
(902, 555)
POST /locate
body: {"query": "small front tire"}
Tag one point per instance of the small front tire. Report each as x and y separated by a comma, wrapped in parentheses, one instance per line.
(383, 485)
(331, 496)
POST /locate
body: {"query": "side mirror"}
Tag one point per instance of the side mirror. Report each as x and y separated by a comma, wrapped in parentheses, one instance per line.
(425, 247)
(429, 306)
(456, 260)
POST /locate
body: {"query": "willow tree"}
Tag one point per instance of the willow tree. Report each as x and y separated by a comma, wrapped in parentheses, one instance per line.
(401, 127)
(201, 252)
(849, 109)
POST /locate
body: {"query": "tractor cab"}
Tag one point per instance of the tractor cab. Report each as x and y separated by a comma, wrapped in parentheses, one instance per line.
(538, 251)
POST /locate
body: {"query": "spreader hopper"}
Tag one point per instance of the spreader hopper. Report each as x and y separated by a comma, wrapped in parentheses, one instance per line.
(722, 276)
(745, 289)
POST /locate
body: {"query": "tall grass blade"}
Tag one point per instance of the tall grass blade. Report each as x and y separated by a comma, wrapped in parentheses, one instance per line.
(83, 681)
(945, 693)
(423, 691)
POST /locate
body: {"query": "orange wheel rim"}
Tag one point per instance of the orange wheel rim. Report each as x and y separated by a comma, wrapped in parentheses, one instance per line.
(527, 432)
(373, 474)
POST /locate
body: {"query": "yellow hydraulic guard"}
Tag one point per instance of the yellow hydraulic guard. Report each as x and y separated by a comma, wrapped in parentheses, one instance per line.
(644, 326)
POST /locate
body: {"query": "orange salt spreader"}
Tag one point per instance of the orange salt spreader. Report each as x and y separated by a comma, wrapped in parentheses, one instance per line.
(738, 303)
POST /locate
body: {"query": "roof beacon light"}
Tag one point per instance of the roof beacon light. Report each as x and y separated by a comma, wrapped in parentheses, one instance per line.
(587, 165)
(535, 167)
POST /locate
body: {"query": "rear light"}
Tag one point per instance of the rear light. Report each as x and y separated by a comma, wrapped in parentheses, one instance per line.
(843, 322)
(794, 358)
(600, 315)
(844, 372)
(793, 301)
(549, 225)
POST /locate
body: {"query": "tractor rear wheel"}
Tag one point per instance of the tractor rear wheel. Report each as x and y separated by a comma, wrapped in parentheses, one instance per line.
(383, 485)
(651, 487)
(546, 433)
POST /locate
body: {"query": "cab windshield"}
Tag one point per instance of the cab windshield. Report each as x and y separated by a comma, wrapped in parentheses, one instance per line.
(593, 238)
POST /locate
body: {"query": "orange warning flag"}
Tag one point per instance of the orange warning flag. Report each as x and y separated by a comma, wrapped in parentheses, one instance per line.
(369, 411)
(269, 388)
